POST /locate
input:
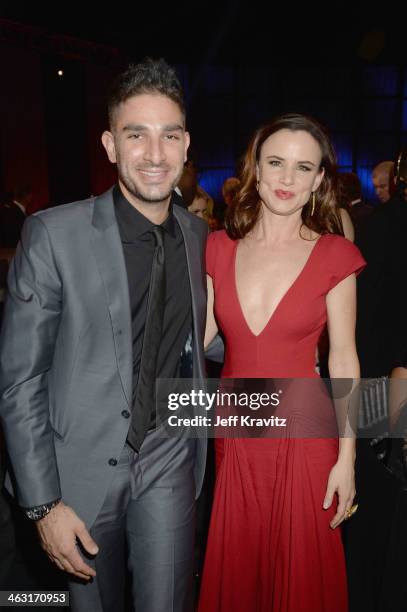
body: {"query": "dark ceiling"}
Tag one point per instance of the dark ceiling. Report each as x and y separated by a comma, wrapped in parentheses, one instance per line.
(257, 33)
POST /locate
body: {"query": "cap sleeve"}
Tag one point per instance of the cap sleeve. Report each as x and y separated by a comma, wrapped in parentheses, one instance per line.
(211, 253)
(345, 259)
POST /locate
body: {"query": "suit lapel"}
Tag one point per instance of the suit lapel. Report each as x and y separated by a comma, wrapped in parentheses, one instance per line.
(108, 251)
(193, 249)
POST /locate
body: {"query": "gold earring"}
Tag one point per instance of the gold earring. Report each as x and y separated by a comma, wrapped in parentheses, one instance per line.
(313, 203)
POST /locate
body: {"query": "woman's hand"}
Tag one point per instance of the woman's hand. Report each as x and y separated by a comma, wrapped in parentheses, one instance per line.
(342, 482)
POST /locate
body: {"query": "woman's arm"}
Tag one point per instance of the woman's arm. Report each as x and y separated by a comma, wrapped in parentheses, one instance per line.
(343, 363)
(211, 327)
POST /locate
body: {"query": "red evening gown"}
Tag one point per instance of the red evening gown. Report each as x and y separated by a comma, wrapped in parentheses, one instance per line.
(270, 547)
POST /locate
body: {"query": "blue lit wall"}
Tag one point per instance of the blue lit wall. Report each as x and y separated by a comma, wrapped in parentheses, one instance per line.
(212, 180)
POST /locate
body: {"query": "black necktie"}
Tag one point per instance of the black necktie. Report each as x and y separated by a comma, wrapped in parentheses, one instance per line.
(144, 403)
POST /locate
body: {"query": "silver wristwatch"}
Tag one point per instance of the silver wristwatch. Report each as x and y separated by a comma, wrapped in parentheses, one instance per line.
(38, 512)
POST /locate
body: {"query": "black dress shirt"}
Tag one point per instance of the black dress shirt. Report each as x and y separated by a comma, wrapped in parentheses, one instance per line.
(138, 247)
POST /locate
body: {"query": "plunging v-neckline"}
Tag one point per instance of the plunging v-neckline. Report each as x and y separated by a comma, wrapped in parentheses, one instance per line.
(282, 299)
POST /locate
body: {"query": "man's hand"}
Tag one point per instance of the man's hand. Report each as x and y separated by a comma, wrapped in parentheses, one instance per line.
(58, 532)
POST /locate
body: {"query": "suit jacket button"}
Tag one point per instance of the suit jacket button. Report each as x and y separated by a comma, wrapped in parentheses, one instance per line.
(112, 461)
(125, 414)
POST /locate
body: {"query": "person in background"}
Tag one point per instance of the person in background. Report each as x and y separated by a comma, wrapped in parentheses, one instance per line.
(13, 215)
(381, 335)
(202, 206)
(187, 184)
(382, 179)
(350, 198)
(381, 329)
(229, 189)
(347, 225)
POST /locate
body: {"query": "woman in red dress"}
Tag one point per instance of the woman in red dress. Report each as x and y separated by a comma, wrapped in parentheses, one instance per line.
(276, 276)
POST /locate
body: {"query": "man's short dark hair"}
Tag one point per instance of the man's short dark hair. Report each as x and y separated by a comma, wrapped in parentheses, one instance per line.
(148, 77)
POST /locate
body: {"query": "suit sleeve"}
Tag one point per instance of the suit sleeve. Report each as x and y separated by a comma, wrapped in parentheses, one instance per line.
(30, 326)
(215, 351)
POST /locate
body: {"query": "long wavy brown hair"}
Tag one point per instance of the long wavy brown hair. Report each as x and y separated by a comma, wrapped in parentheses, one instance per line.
(246, 209)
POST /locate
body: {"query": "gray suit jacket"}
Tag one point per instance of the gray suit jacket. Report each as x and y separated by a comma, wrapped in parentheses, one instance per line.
(66, 362)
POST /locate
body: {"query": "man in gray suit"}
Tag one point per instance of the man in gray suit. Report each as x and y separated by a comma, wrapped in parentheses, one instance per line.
(89, 462)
